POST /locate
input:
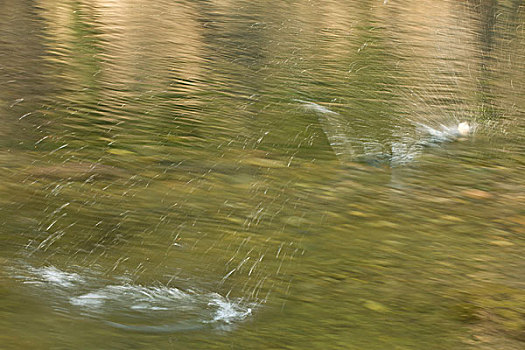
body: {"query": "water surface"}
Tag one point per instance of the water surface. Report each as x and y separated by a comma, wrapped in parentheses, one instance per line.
(256, 175)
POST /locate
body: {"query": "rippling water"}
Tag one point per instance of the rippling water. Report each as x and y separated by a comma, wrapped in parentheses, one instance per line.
(218, 174)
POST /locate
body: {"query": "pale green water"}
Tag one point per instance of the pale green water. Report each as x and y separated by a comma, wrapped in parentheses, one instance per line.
(253, 175)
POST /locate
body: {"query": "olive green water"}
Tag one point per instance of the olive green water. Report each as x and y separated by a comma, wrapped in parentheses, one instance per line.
(170, 180)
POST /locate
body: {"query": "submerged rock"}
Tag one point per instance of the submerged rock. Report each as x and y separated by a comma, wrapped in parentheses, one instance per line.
(375, 306)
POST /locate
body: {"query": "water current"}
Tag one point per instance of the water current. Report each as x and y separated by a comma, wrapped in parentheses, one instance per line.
(262, 174)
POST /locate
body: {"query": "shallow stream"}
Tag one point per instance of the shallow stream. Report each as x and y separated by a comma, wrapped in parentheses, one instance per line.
(262, 174)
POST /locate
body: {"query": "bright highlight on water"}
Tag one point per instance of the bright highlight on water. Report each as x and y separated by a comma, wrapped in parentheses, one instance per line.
(464, 129)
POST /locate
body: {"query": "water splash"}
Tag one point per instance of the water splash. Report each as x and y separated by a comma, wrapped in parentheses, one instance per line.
(335, 127)
(405, 148)
(50, 275)
(228, 312)
(133, 307)
(445, 133)
(312, 106)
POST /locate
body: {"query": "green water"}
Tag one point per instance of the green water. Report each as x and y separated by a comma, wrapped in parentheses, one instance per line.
(254, 175)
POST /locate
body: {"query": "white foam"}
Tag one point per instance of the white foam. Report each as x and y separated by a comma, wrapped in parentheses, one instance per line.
(133, 297)
(90, 300)
(51, 275)
(158, 306)
(228, 311)
(147, 300)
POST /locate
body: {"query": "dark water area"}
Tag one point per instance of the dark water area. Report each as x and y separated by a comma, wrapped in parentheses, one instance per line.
(262, 175)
